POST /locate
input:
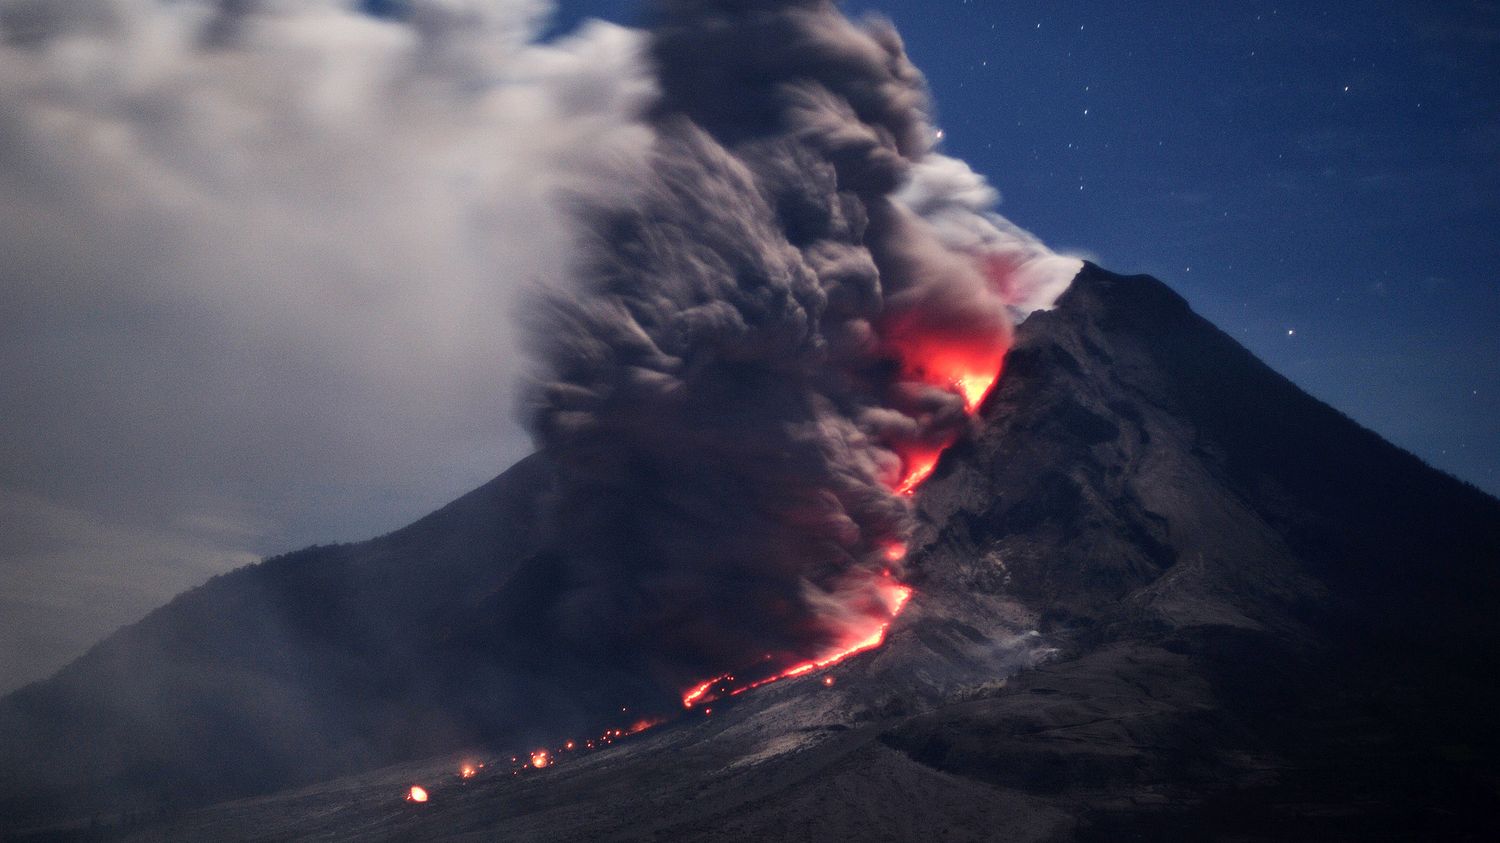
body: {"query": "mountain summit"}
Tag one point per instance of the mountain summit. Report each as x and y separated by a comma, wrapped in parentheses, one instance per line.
(1159, 591)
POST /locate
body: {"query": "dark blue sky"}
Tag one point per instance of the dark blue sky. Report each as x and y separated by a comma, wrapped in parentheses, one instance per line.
(1322, 180)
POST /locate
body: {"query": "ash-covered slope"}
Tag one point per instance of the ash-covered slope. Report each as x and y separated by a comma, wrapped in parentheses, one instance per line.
(307, 666)
(1161, 594)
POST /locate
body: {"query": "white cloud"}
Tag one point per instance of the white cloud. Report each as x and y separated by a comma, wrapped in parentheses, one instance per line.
(260, 267)
(960, 205)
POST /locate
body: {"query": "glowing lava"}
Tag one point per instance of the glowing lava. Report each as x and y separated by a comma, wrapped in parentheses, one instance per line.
(899, 594)
(966, 366)
(919, 465)
(416, 794)
(698, 692)
(969, 372)
(467, 771)
(720, 687)
(540, 759)
(974, 387)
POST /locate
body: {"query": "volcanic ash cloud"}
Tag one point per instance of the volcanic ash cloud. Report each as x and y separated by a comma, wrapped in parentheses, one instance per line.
(767, 340)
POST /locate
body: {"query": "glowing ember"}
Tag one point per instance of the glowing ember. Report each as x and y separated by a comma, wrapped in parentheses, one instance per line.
(540, 759)
(974, 388)
(895, 596)
(970, 370)
(919, 468)
(467, 771)
(416, 794)
(568, 745)
(967, 368)
(701, 691)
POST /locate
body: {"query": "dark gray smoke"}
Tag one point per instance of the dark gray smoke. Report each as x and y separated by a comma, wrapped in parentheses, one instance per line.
(762, 344)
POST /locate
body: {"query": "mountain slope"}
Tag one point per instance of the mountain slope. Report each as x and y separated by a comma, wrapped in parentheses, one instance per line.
(1161, 592)
(301, 667)
(1276, 616)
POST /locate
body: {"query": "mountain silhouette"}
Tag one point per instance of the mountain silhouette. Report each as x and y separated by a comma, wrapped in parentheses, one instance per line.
(1160, 592)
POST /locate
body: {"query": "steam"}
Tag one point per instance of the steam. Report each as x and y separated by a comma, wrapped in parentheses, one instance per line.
(959, 205)
(771, 334)
(258, 263)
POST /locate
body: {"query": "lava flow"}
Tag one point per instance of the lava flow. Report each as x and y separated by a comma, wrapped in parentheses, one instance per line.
(919, 463)
(728, 685)
(967, 366)
(968, 370)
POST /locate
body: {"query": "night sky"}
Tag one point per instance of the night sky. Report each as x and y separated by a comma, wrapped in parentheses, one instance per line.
(1321, 180)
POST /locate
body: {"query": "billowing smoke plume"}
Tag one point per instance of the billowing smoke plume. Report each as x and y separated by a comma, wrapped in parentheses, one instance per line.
(772, 336)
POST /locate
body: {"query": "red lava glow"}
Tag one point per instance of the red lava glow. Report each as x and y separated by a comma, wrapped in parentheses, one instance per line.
(967, 370)
(919, 466)
(974, 387)
(416, 794)
(541, 759)
(698, 692)
(467, 771)
(968, 367)
(965, 365)
(895, 595)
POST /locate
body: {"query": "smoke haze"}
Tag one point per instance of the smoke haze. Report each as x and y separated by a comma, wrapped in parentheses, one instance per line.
(261, 260)
(259, 263)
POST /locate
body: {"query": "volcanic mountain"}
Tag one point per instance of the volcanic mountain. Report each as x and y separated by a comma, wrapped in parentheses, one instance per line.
(1158, 592)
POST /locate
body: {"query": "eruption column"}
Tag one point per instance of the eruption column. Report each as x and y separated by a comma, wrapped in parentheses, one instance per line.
(772, 334)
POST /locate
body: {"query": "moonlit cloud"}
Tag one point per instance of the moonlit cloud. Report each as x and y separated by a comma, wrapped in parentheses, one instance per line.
(960, 205)
(260, 261)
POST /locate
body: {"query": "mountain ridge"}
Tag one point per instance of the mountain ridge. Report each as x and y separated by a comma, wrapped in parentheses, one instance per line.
(1173, 545)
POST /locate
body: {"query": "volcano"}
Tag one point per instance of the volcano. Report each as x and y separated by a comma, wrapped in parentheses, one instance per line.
(1159, 592)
